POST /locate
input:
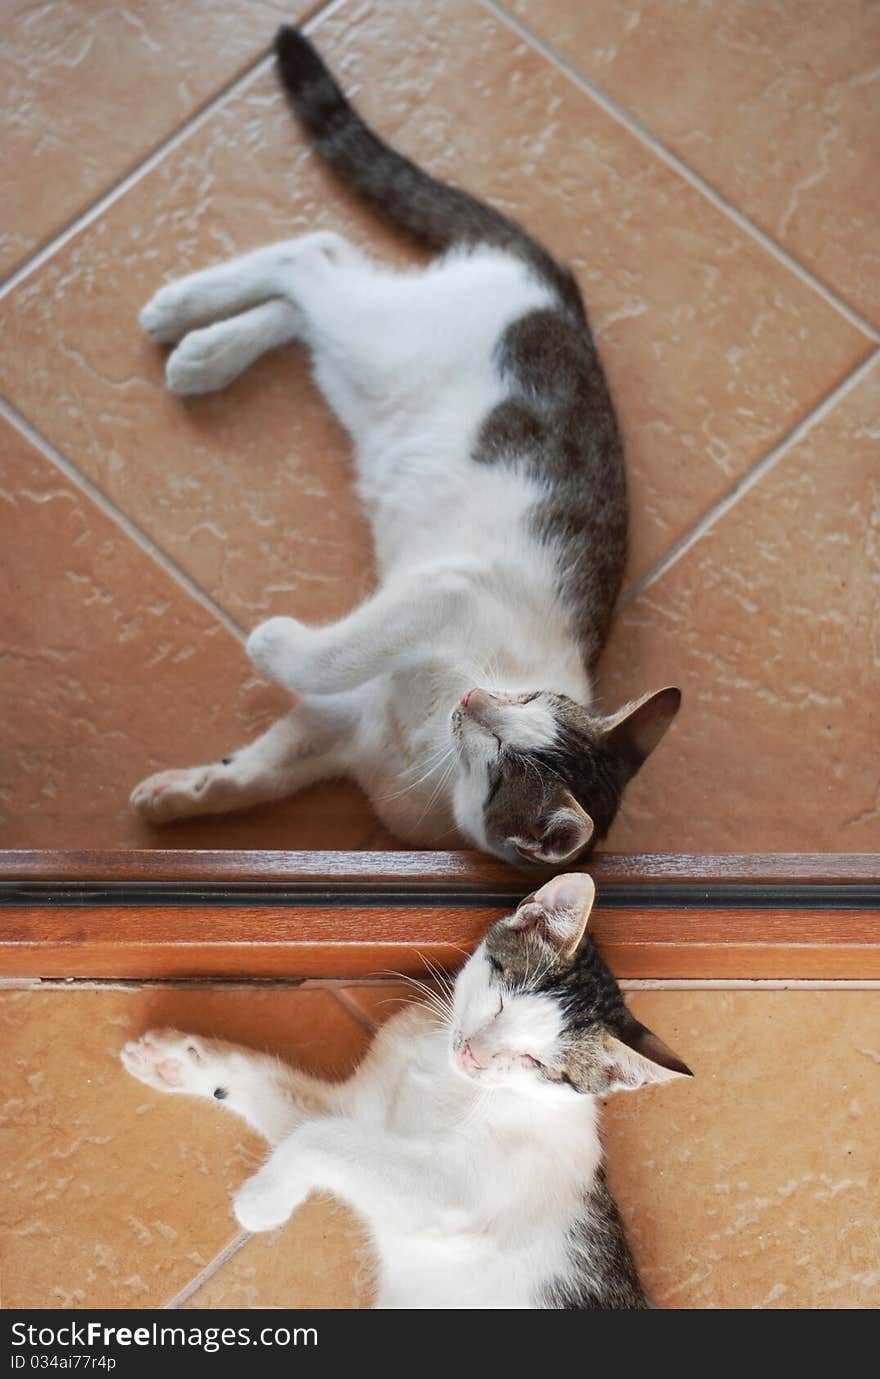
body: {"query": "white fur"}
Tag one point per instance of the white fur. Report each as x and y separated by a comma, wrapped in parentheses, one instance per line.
(469, 1182)
(468, 596)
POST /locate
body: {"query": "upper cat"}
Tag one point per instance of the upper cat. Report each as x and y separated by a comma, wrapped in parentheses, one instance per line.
(490, 464)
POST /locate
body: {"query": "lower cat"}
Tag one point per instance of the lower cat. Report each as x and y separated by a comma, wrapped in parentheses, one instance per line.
(467, 1139)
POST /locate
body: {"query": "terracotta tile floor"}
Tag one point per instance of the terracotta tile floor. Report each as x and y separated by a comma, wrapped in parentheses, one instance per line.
(119, 1197)
(709, 178)
(708, 171)
(775, 105)
(90, 88)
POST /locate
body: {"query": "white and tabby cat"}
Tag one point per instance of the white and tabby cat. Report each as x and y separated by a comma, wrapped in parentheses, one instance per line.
(467, 1139)
(490, 464)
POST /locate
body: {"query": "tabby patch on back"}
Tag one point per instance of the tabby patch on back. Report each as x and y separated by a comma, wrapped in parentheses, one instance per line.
(489, 462)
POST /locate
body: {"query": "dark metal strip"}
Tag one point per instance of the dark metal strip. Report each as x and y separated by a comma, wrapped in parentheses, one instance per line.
(428, 895)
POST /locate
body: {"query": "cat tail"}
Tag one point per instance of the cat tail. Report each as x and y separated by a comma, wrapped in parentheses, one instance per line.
(434, 213)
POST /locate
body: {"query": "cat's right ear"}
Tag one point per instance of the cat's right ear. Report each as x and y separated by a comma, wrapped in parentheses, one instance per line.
(633, 1056)
(559, 911)
(636, 731)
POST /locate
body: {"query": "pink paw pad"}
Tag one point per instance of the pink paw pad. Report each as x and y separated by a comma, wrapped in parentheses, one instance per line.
(171, 1071)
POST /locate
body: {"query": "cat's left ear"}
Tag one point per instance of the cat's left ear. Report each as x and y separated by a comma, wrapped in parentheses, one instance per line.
(637, 731)
(633, 1056)
(559, 911)
(561, 835)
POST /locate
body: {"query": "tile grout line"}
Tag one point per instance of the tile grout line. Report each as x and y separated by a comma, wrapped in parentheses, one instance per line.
(211, 1268)
(767, 462)
(694, 179)
(353, 1009)
(42, 256)
(179, 136)
(120, 518)
(118, 189)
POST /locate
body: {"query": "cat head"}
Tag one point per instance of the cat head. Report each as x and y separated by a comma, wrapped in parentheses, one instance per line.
(535, 1008)
(540, 777)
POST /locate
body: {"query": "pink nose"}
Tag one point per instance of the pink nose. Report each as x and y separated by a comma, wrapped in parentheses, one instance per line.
(466, 698)
(468, 1061)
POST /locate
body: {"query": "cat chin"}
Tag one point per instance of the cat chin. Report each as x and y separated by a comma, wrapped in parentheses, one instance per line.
(520, 1075)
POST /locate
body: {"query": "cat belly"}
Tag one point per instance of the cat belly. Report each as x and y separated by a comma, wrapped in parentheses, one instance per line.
(413, 377)
(460, 1274)
(441, 507)
(386, 341)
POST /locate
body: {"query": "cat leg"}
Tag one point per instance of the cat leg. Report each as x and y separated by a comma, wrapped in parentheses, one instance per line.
(206, 360)
(271, 1096)
(396, 621)
(333, 1155)
(307, 745)
(241, 283)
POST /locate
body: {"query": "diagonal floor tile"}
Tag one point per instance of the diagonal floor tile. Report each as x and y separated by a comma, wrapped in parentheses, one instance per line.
(89, 88)
(755, 1184)
(322, 1258)
(771, 625)
(776, 106)
(714, 349)
(112, 1195)
(797, 1229)
(377, 1002)
(111, 670)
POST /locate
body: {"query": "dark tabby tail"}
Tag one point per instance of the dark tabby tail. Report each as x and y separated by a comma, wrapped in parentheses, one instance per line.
(433, 213)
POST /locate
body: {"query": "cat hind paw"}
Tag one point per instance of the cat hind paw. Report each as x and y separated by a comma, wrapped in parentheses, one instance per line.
(204, 362)
(167, 315)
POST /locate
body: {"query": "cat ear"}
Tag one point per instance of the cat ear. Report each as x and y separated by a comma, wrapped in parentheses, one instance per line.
(559, 911)
(564, 833)
(637, 731)
(634, 1056)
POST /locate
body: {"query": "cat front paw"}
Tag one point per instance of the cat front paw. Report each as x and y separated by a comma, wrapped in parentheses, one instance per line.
(170, 1061)
(173, 794)
(282, 648)
(263, 1201)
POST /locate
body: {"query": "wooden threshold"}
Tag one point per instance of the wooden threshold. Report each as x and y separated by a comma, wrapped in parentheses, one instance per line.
(269, 942)
(161, 864)
(175, 915)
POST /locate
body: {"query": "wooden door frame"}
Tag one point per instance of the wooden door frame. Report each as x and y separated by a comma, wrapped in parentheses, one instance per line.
(164, 914)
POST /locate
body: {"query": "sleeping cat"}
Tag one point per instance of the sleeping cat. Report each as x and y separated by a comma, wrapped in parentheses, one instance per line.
(490, 465)
(467, 1139)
